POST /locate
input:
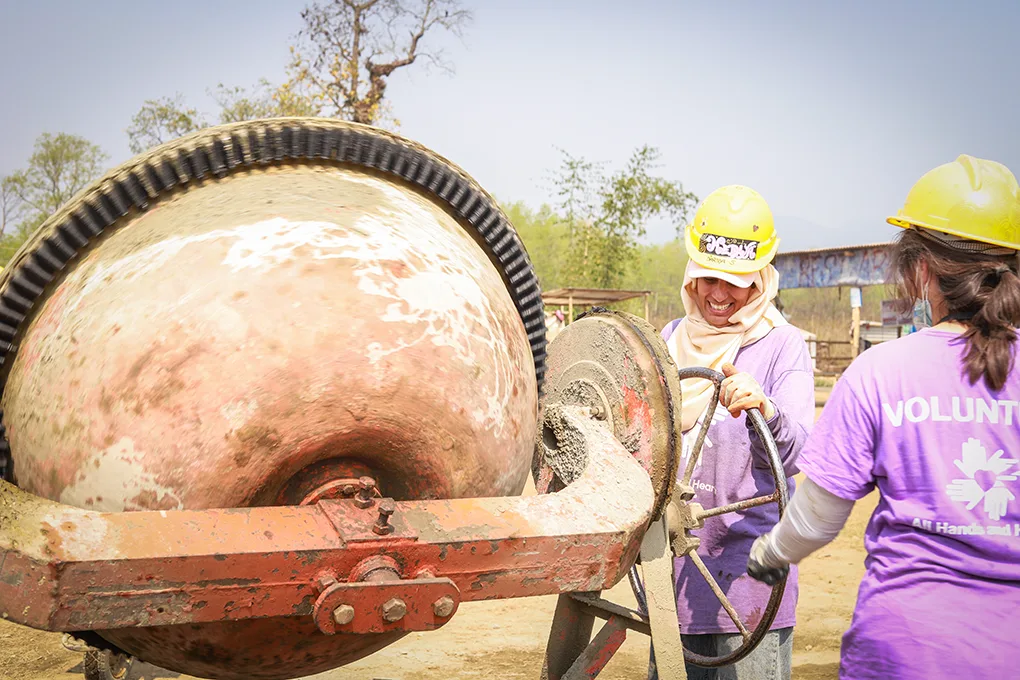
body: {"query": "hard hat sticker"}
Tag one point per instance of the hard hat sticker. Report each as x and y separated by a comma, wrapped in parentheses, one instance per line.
(734, 248)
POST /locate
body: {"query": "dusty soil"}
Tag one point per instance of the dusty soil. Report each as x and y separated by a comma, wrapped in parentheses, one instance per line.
(506, 639)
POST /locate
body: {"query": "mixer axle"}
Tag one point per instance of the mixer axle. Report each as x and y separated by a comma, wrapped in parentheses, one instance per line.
(81, 570)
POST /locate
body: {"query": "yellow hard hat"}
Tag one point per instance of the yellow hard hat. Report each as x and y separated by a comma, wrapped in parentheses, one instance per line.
(733, 231)
(971, 198)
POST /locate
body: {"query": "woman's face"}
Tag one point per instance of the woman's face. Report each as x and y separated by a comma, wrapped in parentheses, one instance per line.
(719, 300)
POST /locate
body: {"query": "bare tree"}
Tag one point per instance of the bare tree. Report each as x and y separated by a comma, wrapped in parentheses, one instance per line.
(348, 48)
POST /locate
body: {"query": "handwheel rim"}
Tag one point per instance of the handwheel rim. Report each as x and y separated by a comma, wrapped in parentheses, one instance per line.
(119, 666)
(781, 498)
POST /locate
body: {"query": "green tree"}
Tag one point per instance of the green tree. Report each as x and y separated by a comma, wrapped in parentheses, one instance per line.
(607, 215)
(61, 165)
(659, 268)
(12, 208)
(160, 120)
(167, 118)
(546, 239)
(349, 48)
(263, 101)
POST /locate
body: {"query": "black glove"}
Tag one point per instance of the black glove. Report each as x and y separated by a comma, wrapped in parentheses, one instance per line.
(756, 568)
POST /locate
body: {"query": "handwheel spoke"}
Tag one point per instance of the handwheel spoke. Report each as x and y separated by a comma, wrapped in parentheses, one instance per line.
(713, 402)
(720, 595)
(740, 505)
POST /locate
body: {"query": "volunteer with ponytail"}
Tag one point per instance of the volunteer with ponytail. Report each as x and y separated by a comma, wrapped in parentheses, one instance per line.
(932, 421)
(733, 327)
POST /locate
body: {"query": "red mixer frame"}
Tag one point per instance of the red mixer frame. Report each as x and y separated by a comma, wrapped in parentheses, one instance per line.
(75, 570)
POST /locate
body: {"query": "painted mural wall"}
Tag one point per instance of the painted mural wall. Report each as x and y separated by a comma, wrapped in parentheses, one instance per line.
(854, 266)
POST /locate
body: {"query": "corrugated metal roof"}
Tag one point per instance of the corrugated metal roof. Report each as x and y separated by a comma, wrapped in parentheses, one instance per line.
(589, 296)
(836, 249)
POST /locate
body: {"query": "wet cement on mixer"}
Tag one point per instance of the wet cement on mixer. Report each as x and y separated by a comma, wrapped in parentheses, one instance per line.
(627, 352)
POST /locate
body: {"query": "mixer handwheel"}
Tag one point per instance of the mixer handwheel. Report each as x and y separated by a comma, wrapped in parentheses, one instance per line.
(102, 664)
(687, 515)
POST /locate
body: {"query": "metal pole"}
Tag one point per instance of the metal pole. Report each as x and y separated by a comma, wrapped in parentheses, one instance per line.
(646, 306)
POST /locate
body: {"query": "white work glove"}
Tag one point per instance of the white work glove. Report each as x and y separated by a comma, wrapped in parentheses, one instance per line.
(740, 391)
(761, 568)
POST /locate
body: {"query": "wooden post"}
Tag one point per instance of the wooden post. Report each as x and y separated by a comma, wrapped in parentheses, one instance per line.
(856, 335)
(570, 308)
(646, 306)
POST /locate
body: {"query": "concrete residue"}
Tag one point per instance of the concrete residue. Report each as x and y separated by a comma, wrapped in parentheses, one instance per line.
(115, 480)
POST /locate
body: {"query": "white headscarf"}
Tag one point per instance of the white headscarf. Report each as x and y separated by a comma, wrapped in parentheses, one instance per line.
(696, 342)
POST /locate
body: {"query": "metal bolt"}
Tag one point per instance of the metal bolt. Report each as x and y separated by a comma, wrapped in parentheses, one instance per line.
(443, 607)
(394, 610)
(364, 498)
(382, 524)
(343, 614)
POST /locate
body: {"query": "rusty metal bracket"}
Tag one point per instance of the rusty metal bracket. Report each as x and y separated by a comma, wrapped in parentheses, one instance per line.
(363, 489)
(67, 569)
(414, 604)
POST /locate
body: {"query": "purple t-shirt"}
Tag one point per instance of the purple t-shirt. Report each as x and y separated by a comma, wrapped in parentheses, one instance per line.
(940, 597)
(733, 466)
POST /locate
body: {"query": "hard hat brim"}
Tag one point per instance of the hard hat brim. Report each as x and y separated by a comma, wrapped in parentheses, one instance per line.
(897, 221)
(697, 271)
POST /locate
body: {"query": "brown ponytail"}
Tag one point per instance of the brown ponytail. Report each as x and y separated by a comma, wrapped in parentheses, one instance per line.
(980, 290)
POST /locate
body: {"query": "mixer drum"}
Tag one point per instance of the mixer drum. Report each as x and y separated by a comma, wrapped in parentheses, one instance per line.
(243, 339)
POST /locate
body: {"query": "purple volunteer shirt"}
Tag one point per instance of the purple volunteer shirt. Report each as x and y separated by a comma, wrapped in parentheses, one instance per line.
(940, 597)
(733, 466)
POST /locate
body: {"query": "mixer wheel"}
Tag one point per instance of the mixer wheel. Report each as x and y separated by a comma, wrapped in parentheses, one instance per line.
(618, 366)
(102, 664)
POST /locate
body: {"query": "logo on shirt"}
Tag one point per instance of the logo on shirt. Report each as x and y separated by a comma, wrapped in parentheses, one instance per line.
(985, 480)
(691, 436)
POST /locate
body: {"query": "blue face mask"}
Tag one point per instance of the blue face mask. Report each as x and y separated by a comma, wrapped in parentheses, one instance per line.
(922, 310)
(922, 313)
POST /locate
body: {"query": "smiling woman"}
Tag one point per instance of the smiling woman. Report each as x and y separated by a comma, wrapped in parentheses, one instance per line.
(719, 295)
(733, 327)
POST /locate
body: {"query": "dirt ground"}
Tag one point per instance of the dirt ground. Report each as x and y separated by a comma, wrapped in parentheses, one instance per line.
(506, 639)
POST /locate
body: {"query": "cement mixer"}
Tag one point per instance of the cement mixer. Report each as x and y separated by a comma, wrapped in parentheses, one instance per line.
(271, 393)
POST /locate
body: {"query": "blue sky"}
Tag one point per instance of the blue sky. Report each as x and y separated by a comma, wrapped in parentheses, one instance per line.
(831, 110)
